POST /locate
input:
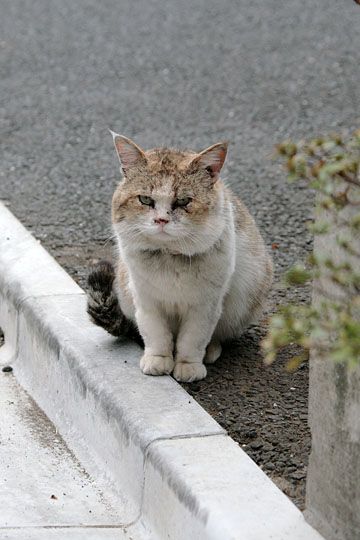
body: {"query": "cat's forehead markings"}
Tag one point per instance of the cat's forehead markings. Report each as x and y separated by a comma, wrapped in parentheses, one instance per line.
(166, 188)
(167, 161)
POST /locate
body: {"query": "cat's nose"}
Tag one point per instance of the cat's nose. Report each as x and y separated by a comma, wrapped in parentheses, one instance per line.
(161, 221)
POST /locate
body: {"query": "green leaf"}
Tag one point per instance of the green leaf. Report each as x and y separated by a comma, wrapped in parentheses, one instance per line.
(320, 227)
(295, 362)
(298, 275)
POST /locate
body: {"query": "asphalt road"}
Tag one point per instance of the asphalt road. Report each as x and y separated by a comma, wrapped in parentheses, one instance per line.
(188, 74)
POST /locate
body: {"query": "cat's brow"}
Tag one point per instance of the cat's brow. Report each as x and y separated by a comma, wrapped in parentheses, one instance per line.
(165, 189)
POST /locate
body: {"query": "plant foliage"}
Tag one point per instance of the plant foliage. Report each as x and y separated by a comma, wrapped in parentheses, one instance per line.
(331, 324)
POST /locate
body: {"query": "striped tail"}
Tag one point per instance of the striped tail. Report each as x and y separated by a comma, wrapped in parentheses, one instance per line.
(103, 304)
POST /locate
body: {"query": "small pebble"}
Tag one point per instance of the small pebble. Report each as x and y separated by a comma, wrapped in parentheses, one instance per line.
(7, 369)
(267, 447)
(256, 445)
(252, 433)
(298, 475)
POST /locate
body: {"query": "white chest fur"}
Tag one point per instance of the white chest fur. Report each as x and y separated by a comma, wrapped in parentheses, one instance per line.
(178, 281)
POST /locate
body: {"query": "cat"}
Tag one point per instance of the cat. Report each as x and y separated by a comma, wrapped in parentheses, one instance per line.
(192, 269)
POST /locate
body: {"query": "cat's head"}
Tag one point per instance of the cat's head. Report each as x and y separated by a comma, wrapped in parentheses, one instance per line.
(169, 199)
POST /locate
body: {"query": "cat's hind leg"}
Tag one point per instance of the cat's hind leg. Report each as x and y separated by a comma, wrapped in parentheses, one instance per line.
(213, 352)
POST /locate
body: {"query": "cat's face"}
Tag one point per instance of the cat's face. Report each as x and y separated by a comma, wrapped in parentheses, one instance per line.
(168, 199)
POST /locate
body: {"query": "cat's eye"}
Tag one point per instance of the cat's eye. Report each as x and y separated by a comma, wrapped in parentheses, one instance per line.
(184, 201)
(144, 199)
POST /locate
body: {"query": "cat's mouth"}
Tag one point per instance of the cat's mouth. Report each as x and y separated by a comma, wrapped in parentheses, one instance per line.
(163, 235)
(161, 231)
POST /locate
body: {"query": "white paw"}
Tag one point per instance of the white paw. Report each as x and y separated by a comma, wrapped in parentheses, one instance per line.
(156, 365)
(185, 372)
(213, 352)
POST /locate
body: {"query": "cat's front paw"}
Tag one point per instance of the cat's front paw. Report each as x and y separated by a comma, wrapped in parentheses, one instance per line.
(156, 365)
(186, 372)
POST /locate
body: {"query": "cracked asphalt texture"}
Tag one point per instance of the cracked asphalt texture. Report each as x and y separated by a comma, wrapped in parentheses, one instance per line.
(186, 74)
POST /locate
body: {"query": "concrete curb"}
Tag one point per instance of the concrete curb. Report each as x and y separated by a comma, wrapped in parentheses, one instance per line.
(177, 472)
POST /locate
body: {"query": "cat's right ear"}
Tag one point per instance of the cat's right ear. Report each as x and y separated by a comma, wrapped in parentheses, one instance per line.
(129, 154)
(212, 159)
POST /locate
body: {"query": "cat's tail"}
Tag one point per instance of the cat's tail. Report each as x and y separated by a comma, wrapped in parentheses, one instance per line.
(103, 304)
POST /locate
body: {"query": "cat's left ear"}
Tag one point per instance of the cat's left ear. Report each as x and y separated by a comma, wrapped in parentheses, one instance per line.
(212, 159)
(128, 152)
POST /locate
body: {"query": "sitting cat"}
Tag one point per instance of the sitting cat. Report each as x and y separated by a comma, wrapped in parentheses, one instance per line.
(192, 269)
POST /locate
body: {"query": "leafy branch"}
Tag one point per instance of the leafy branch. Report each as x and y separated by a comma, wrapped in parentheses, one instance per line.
(331, 324)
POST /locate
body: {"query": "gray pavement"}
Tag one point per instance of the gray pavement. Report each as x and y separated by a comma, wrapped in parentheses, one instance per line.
(184, 74)
(45, 491)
